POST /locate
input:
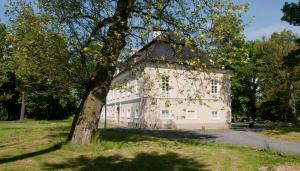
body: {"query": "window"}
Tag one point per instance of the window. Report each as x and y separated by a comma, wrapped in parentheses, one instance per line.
(191, 114)
(136, 87)
(165, 86)
(136, 113)
(128, 113)
(215, 115)
(123, 113)
(165, 114)
(128, 89)
(117, 93)
(214, 87)
(123, 93)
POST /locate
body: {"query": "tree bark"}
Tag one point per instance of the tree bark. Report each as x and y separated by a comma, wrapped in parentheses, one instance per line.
(292, 112)
(86, 121)
(22, 112)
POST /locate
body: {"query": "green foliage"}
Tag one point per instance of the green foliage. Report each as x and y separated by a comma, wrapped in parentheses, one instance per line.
(8, 83)
(291, 13)
(275, 79)
(244, 85)
(40, 63)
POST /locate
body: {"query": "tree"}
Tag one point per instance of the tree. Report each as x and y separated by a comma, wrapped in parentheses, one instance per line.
(244, 84)
(98, 32)
(291, 14)
(8, 83)
(277, 83)
(41, 64)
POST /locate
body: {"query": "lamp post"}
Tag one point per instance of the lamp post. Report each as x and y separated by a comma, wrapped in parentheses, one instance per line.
(105, 115)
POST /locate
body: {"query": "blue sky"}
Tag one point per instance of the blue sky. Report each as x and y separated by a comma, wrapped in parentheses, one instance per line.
(267, 14)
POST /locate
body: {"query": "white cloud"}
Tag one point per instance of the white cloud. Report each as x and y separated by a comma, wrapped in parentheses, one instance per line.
(267, 31)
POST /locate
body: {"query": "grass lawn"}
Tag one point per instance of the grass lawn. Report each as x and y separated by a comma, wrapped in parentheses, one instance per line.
(283, 133)
(39, 145)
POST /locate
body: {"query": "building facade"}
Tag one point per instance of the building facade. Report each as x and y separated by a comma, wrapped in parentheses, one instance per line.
(155, 95)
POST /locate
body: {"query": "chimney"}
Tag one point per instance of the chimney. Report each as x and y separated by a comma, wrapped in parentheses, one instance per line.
(133, 51)
(156, 33)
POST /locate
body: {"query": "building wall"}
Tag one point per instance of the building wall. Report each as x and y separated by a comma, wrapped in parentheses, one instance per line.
(189, 101)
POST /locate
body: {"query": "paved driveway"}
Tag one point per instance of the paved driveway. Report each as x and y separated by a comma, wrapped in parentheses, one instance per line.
(253, 139)
(241, 136)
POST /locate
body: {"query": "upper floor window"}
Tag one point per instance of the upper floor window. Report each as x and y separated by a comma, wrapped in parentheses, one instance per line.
(136, 87)
(165, 86)
(214, 86)
(128, 89)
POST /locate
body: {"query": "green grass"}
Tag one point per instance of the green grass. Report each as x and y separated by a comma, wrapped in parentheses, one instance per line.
(283, 133)
(39, 145)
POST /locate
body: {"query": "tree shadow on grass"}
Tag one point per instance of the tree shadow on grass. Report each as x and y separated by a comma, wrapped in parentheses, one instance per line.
(137, 135)
(32, 154)
(141, 162)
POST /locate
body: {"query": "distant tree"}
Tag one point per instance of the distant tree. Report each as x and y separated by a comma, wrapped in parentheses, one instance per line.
(277, 83)
(8, 84)
(291, 14)
(41, 64)
(244, 83)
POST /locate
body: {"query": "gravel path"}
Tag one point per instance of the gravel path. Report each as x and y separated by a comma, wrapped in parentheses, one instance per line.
(252, 139)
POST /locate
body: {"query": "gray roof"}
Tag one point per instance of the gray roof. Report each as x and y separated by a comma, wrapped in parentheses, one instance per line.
(168, 48)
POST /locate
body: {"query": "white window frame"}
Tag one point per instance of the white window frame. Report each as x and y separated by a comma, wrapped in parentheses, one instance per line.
(191, 118)
(128, 89)
(163, 114)
(123, 93)
(122, 113)
(165, 86)
(214, 87)
(136, 113)
(113, 95)
(128, 114)
(136, 87)
(217, 115)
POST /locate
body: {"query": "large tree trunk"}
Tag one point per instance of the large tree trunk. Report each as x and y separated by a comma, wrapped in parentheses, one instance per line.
(86, 121)
(22, 112)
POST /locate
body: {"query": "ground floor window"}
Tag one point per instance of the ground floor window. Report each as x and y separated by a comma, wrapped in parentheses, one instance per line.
(165, 114)
(136, 113)
(123, 113)
(128, 113)
(191, 114)
(215, 115)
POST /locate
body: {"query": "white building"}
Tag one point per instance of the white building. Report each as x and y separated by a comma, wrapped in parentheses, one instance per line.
(154, 94)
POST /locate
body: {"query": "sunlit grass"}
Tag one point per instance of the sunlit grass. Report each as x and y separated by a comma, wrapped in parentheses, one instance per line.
(39, 145)
(284, 133)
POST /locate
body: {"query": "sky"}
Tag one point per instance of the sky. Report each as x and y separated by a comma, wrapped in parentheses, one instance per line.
(262, 18)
